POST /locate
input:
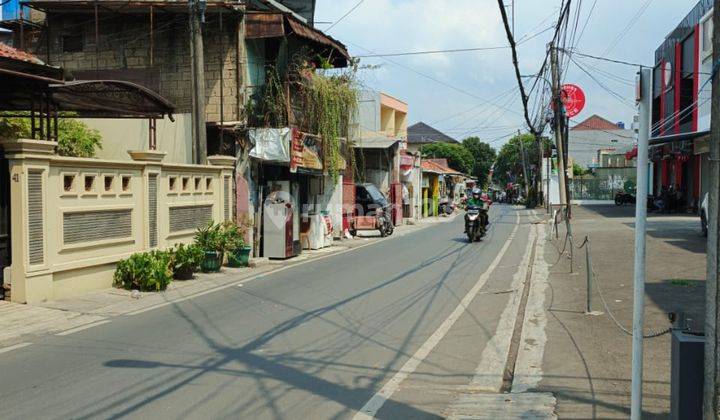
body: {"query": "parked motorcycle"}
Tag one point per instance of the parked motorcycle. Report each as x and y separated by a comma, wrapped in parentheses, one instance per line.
(476, 222)
(376, 211)
(623, 197)
(446, 206)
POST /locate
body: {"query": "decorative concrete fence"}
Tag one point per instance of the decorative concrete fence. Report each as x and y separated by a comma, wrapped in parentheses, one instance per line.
(73, 219)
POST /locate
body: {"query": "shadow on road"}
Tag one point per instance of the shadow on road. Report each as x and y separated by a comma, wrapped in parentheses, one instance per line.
(295, 372)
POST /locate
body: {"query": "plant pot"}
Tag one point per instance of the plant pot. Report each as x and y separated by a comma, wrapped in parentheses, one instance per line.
(212, 262)
(185, 273)
(239, 257)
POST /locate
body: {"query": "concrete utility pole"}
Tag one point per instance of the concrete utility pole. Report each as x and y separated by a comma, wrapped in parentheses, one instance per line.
(524, 165)
(562, 174)
(640, 230)
(539, 174)
(711, 406)
(197, 76)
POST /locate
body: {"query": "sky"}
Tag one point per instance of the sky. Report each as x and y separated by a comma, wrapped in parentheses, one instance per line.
(475, 93)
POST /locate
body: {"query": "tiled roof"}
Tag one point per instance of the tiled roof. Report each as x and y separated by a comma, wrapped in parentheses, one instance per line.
(7, 51)
(436, 168)
(596, 122)
(422, 133)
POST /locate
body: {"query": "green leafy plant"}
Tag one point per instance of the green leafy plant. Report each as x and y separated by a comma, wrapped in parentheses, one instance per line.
(75, 138)
(330, 103)
(210, 238)
(185, 260)
(233, 237)
(145, 271)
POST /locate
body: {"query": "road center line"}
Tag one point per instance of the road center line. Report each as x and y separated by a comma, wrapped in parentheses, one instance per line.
(370, 409)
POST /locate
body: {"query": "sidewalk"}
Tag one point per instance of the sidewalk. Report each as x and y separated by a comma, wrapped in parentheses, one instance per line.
(587, 360)
(20, 323)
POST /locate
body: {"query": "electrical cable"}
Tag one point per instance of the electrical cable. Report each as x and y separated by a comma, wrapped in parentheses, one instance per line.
(345, 15)
(633, 20)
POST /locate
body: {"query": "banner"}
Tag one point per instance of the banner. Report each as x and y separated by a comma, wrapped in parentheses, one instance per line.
(305, 151)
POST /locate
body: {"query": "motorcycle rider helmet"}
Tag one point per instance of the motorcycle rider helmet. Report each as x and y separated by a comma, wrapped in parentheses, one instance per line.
(476, 193)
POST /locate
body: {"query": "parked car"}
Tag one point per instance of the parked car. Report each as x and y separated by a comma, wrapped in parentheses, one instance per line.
(704, 215)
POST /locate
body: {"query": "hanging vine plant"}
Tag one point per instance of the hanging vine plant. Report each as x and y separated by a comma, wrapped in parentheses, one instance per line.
(330, 102)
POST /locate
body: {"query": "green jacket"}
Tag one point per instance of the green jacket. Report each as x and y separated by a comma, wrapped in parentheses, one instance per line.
(475, 202)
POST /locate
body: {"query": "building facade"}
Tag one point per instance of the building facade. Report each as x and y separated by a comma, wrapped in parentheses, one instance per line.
(380, 150)
(593, 134)
(679, 143)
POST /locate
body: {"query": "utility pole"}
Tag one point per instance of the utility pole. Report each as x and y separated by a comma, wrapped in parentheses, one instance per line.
(525, 172)
(562, 174)
(711, 405)
(539, 174)
(196, 12)
(640, 230)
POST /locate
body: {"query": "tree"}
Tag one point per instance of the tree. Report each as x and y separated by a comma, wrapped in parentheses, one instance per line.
(75, 138)
(483, 158)
(458, 157)
(508, 166)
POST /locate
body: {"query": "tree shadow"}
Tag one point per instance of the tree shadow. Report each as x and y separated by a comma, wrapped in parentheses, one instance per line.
(275, 375)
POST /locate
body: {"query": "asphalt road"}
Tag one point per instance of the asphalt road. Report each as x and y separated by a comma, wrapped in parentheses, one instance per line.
(314, 341)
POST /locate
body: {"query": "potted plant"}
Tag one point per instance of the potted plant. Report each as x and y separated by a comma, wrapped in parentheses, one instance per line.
(144, 271)
(185, 260)
(210, 239)
(238, 254)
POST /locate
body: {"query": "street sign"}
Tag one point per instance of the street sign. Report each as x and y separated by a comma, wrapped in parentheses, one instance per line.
(573, 98)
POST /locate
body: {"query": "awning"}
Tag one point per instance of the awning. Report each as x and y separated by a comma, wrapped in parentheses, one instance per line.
(109, 99)
(659, 140)
(632, 154)
(375, 143)
(91, 99)
(276, 25)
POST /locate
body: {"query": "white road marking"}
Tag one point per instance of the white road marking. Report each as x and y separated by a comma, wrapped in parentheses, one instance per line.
(528, 368)
(82, 327)
(14, 347)
(489, 373)
(370, 409)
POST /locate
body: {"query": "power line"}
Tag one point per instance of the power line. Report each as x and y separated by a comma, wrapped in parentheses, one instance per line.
(599, 83)
(627, 63)
(345, 15)
(454, 50)
(633, 20)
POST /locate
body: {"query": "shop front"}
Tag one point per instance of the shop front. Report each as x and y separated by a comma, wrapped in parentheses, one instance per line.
(679, 164)
(299, 204)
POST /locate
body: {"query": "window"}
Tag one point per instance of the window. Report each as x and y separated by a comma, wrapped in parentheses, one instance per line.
(72, 43)
(706, 36)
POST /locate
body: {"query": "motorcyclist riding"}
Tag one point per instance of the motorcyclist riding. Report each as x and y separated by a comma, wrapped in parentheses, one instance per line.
(477, 199)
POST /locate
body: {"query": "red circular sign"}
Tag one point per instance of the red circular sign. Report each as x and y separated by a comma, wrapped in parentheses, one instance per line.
(573, 98)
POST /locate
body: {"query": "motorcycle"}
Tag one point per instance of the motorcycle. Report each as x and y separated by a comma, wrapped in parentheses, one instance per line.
(476, 222)
(623, 197)
(445, 206)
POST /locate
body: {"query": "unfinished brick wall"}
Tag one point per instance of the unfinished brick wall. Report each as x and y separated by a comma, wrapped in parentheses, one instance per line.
(124, 53)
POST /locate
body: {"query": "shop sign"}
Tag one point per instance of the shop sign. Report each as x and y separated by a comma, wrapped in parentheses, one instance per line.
(573, 98)
(305, 151)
